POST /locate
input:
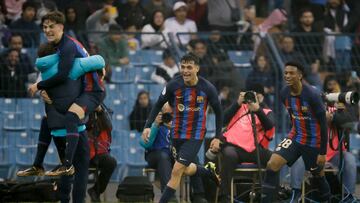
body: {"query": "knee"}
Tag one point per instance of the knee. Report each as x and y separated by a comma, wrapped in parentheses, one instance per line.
(177, 172)
(273, 165)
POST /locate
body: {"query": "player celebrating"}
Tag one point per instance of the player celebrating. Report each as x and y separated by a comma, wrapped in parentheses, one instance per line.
(189, 96)
(308, 135)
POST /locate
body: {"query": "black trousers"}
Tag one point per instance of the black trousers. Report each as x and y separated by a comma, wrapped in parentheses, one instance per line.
(232, 156)
(106, 165)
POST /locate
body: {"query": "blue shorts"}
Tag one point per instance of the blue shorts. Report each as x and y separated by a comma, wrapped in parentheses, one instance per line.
(185, 150)
(291, 150)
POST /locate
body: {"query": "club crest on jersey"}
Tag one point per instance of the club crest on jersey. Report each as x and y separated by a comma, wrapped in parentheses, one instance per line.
(181, 107)
(199, 99)
(304, 109)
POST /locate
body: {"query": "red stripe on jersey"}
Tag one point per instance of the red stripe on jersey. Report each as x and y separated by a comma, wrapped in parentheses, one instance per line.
(191, 114)
(89, 82)
(318, 130)
(203, 125)
(292, 131)
(302, 121)
(77, 42)
(177, 118)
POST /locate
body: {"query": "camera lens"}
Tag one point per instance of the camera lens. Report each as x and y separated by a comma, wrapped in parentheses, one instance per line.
(249, 97)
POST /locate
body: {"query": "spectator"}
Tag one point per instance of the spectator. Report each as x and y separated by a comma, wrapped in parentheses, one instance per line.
(26, 25)
(313, 77)
(306, 40)
(241, 149)
(336, 115)
(99, 132)
(288, 53)
(140, 111)
(246, 40)
(217, 44)
(3, 13)
(99, 21)
(73, 26)
(159, 155)
(197, 11)
(219, 15)
(157, 40)
(25, 61)
(133, 42)
(180, 23)
(131, 13)
(13, 9)
(12, 77)
(206, 63)
(338, 20)
(261, 74)
(157, 5)
(166, 70)
(114, 49)
(224, 73)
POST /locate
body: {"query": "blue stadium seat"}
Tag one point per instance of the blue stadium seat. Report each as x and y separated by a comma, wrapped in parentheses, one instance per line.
(52, 158)
(134, 139)
(121, 121)
(210, 122)
(24, 155)
(129, 91)
(151, 56)
(7, 104)
(155, 91)
(136, 58)
(14, 121)
(241, 58)
(113, 91)
(6, 164)
(144, 73)
(120, 138)
(123, 74)
(135, 157)
(23, 137)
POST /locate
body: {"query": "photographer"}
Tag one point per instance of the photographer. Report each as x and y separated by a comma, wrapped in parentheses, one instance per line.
(336, 115)
(239, 146)
(159, 153)
(99, 132)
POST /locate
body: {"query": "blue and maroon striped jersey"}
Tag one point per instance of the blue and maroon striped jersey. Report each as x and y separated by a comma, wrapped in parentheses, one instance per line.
(189, 104)
(68, 49)
(307, 113)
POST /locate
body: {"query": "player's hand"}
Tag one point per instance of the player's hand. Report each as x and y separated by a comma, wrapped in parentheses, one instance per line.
(45, 97)
(215, 145)
(241, 98)
(33, 89)
(146, 134)
(321, 159)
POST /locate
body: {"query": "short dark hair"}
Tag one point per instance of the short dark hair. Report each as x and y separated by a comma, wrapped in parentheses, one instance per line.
(305, 10)
(56, 16)
(190, 58)
(297, 65)
(46, 49)
(167, 54)
(29, 4)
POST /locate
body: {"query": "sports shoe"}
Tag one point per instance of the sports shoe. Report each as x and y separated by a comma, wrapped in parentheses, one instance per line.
(32, 171)
(61, 170)
(214, 176)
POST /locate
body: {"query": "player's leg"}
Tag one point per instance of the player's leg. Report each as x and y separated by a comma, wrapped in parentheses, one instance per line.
(297, 172)
(286, 152)
(81, 165)
(174, 182)
(310, 155)
(44, 141)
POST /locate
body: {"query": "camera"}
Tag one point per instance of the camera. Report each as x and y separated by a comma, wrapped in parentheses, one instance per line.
(249, 97)
(167, 117)
(344, 97)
